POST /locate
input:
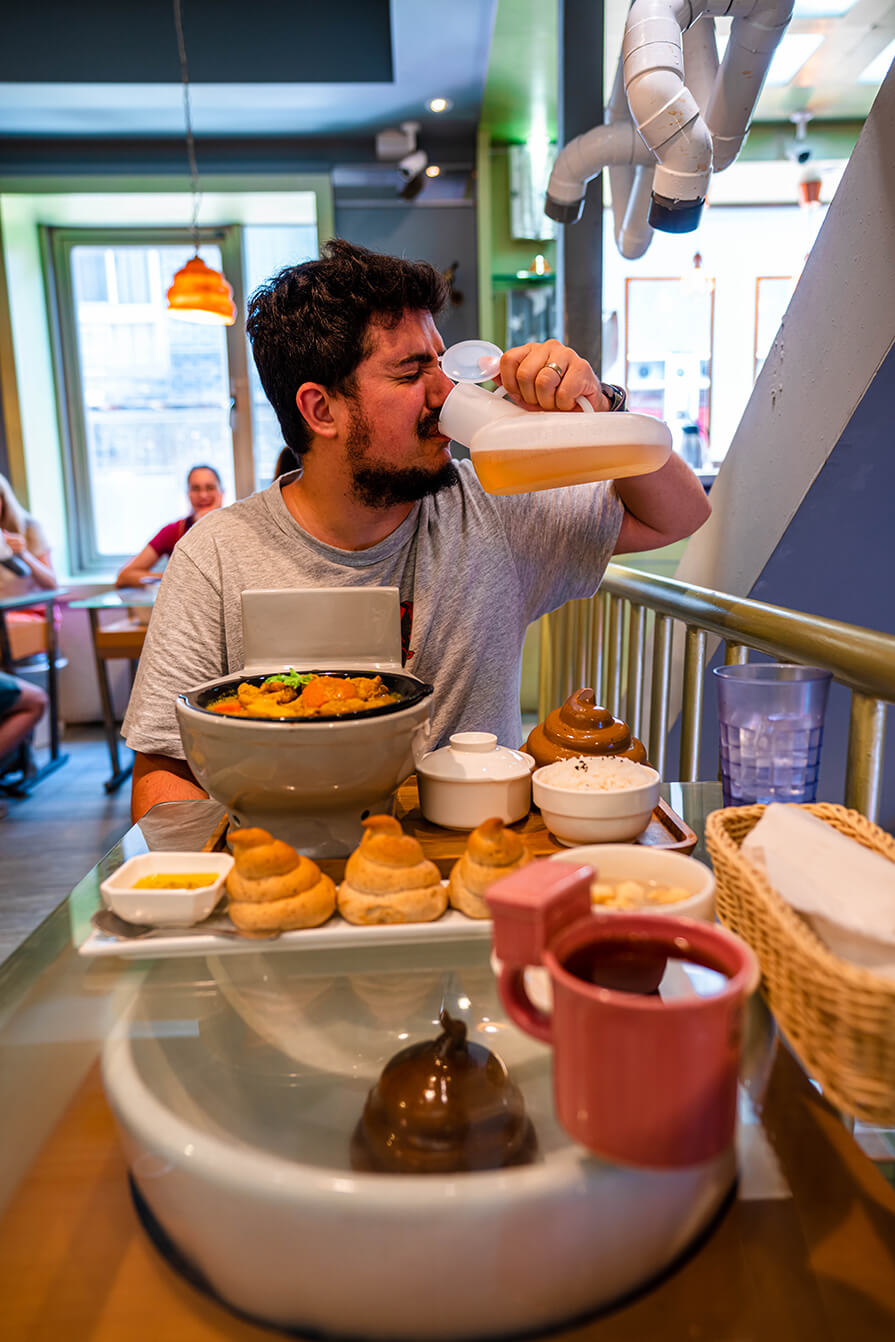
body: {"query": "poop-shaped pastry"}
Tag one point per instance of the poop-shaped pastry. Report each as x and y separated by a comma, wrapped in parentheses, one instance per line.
(273, 889)
(443, 1106)
(582, 727)
(492, 851)
(388, 880)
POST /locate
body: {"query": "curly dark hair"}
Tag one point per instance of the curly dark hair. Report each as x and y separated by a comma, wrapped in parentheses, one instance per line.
(311, 322)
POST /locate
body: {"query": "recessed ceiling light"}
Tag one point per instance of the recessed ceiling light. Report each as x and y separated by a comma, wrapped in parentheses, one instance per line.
(433, 170)
(878, 69)
(791, 55)
(439, 104)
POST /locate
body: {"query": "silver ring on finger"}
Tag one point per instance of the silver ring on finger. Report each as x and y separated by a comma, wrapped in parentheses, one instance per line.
(557, 368)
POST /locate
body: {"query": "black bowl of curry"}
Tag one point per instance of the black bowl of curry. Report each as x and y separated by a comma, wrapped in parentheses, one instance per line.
(311, 696)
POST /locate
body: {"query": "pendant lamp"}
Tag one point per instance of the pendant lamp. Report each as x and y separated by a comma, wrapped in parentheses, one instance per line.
(198, 294)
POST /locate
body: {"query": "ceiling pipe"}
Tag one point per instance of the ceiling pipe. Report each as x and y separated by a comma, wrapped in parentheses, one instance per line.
(662, 138)
(615, 145)
(755, 35)
(666, 114)
(631, 185)
(700, 47)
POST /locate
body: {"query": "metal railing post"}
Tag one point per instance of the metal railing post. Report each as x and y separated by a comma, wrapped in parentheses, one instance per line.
(658, 716)
(864, 760)
(614, 656)
(691, 707)
(636, 651)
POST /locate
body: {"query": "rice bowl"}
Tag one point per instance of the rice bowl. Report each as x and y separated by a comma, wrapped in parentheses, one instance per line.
(595, 798)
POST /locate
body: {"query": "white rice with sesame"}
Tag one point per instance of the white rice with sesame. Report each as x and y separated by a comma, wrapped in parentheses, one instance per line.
(595, 773)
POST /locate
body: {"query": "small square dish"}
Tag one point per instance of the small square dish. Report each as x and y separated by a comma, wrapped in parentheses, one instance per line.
(174, 905)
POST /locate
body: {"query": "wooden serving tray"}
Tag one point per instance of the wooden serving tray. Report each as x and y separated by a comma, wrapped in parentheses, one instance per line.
(666, 829)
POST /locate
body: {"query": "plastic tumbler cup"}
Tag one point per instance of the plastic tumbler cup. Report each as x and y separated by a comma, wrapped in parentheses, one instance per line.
(772, 724)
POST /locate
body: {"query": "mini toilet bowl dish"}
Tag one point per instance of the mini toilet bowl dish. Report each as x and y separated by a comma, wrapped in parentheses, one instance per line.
(241, 1154)
(311, 781)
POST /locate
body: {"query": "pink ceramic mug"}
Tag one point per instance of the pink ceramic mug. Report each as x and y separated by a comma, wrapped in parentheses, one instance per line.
(637, 1079)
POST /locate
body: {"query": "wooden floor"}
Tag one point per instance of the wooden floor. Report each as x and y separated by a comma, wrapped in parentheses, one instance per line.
(50, 839)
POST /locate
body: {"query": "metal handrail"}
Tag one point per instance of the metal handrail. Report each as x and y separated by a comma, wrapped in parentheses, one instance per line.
(585, 642)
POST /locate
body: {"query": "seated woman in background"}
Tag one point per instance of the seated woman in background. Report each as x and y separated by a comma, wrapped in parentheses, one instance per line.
(24, 551)
(25, 567)
(205, 494)
(22, 706)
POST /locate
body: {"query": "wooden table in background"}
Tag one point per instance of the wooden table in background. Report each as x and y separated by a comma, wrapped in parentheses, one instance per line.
(121, 639)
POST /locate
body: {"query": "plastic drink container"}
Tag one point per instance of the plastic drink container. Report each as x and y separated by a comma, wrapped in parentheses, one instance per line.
(517, 451)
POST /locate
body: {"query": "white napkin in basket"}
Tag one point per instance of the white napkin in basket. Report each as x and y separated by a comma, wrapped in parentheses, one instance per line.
(845, 891)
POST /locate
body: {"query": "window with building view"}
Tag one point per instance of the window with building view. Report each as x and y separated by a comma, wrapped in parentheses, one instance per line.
(147, 396)
(668, 356)
(154, 392)
(697, 315)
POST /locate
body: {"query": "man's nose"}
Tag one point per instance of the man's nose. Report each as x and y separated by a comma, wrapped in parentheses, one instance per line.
(438, 388)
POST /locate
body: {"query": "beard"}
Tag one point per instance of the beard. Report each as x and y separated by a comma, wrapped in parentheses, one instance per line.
(377, 484)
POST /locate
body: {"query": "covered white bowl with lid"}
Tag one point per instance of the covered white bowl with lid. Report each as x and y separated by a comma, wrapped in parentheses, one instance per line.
(472, 779)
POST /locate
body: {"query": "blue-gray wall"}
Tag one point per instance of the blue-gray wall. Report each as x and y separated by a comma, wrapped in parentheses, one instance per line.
(836, 559)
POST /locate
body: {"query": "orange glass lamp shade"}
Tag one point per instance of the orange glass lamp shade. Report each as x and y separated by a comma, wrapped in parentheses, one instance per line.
(200, 294)
(809, 191)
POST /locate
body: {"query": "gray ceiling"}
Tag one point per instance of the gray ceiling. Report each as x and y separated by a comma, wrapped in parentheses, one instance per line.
(277, 82)
(264, 68)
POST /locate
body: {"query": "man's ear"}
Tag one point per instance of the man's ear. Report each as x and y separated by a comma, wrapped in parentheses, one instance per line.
(316, 409)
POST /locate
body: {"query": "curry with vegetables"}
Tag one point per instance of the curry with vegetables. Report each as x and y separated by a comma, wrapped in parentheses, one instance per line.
(293, 694)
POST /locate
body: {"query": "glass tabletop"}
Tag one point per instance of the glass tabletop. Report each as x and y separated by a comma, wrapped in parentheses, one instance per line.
(121, 597)
(36, 598)
(58, 1006)
(268, 1049)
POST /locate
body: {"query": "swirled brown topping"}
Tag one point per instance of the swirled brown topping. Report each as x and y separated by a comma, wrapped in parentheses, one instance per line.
(582, 727)
(443, 1106)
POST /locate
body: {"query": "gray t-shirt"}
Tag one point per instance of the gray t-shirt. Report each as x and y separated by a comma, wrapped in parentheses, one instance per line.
(477, 568)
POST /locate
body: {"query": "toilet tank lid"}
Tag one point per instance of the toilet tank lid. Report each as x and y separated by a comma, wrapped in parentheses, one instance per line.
(341, 627)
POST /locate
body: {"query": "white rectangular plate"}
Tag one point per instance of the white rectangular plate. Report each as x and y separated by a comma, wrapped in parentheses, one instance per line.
(334, 935)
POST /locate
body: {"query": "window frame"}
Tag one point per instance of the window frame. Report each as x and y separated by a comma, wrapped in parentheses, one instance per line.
(56, 243)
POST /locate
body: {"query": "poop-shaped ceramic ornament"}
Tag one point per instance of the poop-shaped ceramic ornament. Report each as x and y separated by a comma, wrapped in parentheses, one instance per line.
(443, 1106)
(582, 727)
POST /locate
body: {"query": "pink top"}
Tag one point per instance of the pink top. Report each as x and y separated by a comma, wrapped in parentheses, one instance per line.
(168, 537)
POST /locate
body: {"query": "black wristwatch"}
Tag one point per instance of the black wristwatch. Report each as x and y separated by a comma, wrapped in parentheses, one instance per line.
(616, 396)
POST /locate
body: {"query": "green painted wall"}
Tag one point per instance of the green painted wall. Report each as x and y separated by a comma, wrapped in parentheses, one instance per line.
(519, 102)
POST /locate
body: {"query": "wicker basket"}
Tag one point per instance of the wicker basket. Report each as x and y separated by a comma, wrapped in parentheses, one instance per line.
(839, 1019)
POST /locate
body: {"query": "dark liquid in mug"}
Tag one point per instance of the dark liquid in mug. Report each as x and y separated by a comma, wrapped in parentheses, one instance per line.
(638, 966)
